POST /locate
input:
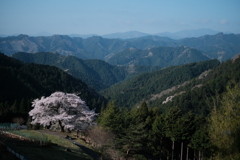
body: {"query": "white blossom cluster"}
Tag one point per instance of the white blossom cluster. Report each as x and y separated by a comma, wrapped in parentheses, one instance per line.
(64, 108)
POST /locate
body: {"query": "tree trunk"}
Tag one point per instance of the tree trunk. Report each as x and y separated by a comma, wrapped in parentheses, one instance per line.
(160, 156)
(194, 155)
(172, 149)
(199, 155)
(60, 124)
(187, 153)
(128, 150)
(181, 150)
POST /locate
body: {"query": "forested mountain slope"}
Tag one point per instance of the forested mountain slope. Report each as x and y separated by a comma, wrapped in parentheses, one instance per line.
(24, 82)
(219, 46)
(142, 87)
(95, 73)
(197, 95)
(159, 56)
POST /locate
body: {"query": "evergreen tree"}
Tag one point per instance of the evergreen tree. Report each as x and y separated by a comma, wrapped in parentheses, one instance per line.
(14, 107)
(200, 141)
(133, 139)
(158, 135)
(187, 128)
(139, 115)
(23, 106)
(173, 127)
(110, 118)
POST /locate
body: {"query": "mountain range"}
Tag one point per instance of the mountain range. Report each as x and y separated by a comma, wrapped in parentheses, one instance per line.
(220, 46)
(136, 34)
(147, 89)
(188, 33)
(174, 35)
(158, 56)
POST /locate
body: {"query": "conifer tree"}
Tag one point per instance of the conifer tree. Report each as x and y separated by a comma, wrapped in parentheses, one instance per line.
(23, 106)
(173, 127)
(110, 117)
(14, 107)
(158, 134)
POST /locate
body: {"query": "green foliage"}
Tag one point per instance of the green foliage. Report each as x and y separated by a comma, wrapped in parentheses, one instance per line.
(133, 139)
(146, 132)
(200, 139)
(172, 124)
(110, 118)
(224, 124)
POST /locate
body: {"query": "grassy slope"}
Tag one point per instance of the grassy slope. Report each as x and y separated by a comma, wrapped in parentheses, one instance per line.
(54, 152)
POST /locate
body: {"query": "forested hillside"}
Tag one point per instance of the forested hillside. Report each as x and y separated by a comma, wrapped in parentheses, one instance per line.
(159, 56)
(220, 46)
(142, 87)
(95, 73)
(21, 83)
(198, 93)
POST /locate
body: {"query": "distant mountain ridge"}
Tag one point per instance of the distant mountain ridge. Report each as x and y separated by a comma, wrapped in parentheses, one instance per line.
(174, 35)
(188, 33)
(125, 35)
(159, 56)
(136, 34)
(220, 46)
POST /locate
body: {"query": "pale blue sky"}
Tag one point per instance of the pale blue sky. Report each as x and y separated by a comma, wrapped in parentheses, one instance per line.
(110, 16)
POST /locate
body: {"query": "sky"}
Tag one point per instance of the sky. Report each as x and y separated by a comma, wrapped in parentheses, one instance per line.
(110, 16)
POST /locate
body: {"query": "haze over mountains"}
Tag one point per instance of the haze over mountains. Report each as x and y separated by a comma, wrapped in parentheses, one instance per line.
(137, 34)
(174, 35)
(219, 46)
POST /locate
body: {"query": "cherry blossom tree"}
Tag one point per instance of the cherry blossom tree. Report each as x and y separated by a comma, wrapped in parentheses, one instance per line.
(65, 109)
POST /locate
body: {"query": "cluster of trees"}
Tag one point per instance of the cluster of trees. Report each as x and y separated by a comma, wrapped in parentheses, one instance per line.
(224, 122)
(144, 132)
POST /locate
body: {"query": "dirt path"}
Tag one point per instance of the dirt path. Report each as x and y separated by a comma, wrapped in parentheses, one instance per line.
(84, 148)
